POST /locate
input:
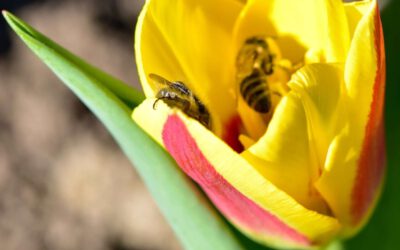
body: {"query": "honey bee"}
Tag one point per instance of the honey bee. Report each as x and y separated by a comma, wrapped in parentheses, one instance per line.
(256, 92)
(177, 95)
(254, 63)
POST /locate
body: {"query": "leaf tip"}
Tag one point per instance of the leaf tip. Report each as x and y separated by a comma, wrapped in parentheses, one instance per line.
(6, 15)
(10, 18)
(21, 28)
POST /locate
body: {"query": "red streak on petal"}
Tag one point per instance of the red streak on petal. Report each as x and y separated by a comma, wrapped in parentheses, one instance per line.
(372, 161)
(231, 134)
(234, 205)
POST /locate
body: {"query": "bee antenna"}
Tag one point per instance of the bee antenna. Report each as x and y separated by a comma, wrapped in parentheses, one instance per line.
(277, 93)
(155, 103)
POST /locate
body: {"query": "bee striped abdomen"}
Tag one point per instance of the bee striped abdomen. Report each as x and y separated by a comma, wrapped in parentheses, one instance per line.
(255, 91)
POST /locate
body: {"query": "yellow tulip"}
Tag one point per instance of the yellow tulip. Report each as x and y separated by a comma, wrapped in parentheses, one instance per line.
(311, 170)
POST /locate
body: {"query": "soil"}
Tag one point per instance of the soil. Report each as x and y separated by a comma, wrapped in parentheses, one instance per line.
(64, 183)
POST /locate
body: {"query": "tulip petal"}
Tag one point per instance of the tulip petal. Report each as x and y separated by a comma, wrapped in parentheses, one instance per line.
(355, 11)
(292, 152)
(190, 41)
(298, 26)
(241, 193)
(357, 155)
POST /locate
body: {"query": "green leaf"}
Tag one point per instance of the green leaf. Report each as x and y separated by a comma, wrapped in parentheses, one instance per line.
(194, 220)
(382, 232)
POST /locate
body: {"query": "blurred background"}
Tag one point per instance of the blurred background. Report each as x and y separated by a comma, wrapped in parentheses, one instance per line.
(64, 183)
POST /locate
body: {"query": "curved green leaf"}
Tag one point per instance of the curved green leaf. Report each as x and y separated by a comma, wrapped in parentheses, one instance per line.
(196, 223)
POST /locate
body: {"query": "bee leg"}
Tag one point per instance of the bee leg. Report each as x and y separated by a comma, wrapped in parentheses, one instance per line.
(298, 65)
(285, 65)
(273, 37)
(185, 106)
(288, 66)
(277, 93)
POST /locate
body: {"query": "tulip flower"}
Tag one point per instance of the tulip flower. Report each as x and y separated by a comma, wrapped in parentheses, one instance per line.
(311, 170)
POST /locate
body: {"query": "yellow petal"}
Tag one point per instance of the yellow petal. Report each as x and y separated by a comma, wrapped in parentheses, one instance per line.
(190, 41)
(356, 156)
(355, 11)
(291, 154)
(239, 173)
(298, 26)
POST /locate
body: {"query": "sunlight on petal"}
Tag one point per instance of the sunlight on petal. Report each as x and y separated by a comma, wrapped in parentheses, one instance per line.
(358, 148)
(240, 174)
(189, 41)
(291, 154)
(298, 26)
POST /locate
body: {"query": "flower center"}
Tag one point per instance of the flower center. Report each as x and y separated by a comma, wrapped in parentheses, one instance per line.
(261, 75)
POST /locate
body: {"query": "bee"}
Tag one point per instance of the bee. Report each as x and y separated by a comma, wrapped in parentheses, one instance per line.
(256, 92)
(177, 95)
(254, 63)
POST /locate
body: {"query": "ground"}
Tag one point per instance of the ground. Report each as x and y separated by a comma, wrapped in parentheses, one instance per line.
(64, 183)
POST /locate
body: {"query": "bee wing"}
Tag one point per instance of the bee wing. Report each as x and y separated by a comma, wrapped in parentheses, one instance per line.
(159, 79)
